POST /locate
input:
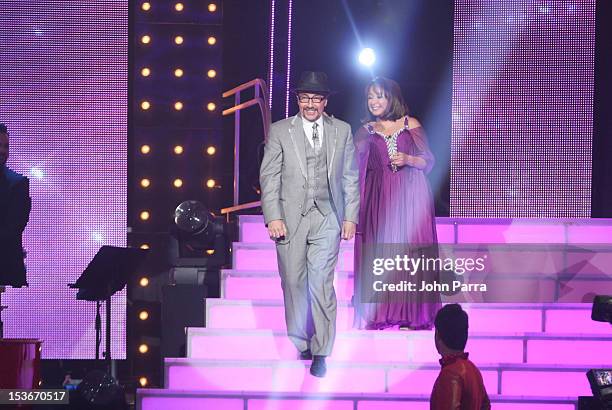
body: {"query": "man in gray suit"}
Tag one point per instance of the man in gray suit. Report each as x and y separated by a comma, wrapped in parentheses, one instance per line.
(310, 199)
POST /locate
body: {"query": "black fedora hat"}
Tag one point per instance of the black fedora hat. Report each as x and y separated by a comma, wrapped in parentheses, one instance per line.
(313, 82)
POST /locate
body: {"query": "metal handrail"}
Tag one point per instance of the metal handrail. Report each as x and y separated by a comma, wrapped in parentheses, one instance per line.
(260, 99)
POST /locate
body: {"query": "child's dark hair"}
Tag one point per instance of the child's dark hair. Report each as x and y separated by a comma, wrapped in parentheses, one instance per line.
(452, 325)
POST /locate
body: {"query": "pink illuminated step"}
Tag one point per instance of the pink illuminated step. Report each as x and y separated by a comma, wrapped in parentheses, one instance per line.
(590, 350)
(391, 378)
(265, 285)
(401, 346)
(252, 230)
(580, 270)
(554, 382)
(486, 230)
(256, 314)
(156, 399)
(262, 257)
(396, 346)
(484, 317)
(272, 376)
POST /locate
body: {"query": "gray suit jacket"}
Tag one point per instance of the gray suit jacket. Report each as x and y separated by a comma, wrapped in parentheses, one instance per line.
(283, 171)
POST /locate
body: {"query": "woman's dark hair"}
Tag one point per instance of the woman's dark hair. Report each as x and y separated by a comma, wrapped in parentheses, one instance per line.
(452, 325)
(396, 109)
(3, 129)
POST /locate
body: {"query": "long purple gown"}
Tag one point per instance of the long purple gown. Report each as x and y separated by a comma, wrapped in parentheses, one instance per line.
(396, 208)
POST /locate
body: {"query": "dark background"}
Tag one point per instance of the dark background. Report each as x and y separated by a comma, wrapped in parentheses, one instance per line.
(414, 42)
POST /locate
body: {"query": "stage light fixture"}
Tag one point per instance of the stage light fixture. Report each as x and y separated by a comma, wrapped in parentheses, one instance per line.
(145, 72)
(177, 183)
(145, 149)
(210, 183)
(367, 57)
(146, 6)
(178, 106)
(210, 251)
(145, 182)
(211, 106)
(143, 315)
(212, 7)
(144, 282)
(211, 150)
(145, 105)
(197, 230)
(178, 149)
(146, 39)
(143, 381)
(179, 7)
(145, 246)
(145, 215)
(212, 40)
(178, 40)
(211, 73)
(178, 72)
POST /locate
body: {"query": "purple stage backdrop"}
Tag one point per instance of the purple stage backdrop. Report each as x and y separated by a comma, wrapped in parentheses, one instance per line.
(522, 108)
(63, 94)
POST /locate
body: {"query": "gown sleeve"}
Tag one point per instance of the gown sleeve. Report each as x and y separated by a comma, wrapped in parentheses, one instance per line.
(422, 148)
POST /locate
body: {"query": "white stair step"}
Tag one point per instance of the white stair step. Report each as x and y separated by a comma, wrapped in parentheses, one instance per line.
(157, 399)
(484, 317)
(391, 378)
(403, 347)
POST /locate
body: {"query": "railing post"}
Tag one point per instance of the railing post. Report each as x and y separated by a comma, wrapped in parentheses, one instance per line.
(236, 150)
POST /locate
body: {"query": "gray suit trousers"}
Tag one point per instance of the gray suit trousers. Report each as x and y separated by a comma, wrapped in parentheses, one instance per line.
(306, 265)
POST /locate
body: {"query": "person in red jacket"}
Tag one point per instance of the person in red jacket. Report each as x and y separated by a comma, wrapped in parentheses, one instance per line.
(459, 385)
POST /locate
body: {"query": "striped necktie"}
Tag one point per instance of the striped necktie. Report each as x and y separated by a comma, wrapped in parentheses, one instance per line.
(316, 141)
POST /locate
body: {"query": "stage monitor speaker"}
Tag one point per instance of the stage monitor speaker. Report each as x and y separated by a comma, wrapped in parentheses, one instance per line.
(182, 306)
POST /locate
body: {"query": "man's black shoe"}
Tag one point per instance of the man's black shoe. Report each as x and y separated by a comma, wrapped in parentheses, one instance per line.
(306, 355)
(318, 368)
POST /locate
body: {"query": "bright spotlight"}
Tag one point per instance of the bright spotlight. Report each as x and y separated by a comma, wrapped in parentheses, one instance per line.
(367, 57)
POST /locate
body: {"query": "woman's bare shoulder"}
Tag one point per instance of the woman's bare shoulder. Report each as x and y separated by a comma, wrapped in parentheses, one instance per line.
(413, 123)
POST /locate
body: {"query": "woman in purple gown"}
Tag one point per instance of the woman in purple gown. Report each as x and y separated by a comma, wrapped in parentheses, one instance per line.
(397, 212)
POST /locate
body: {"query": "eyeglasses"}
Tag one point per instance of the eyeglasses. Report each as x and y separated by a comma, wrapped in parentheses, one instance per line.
(316, 99)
